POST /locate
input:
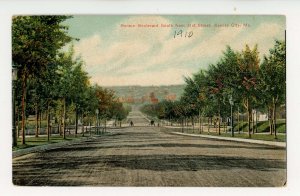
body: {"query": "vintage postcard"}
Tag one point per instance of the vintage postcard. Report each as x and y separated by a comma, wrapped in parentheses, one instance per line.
(149, 100)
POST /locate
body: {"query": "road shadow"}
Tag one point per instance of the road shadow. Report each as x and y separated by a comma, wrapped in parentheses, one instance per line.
(192, 163)
(157, 162)
(137, 162)
(95, 146)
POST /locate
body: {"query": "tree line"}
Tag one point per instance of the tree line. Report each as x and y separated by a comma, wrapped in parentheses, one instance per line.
(51, 80)
(238, 79)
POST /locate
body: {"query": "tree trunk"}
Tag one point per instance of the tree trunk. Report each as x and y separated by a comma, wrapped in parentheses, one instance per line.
(193, 124)
(76, 122)
(99, 125)
(186, 120)
(48, 121)
(40, 119)
(90, 128)
(201, 124)
(82, 125)
(253, 121)
(270, 113)
(238, 118)
(105, 126)
(94, 120)
(270, 126)
(36, 121)
(208, 124)
(215, 125)
(14, 130)
(249, 111)
(274, 119)
(64, 118)
(249, 122)
(225, 123)
(60, 124)
(18, 119)
(256, 119)
(199, 117)
(219, 120)
(24, 91)
(86, 128)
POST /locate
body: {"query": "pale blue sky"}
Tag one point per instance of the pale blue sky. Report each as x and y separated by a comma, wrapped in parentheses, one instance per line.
(116, 55)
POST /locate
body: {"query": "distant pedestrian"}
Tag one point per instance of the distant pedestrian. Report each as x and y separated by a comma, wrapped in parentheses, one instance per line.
(131, 124)
(228, 121)
(152, 123)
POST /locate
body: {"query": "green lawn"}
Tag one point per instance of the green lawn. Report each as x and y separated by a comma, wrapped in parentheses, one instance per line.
(42, 140)
(263, 127)
(265, 136)
(30, 124)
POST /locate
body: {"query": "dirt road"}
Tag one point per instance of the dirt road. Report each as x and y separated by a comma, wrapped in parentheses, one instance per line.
(150, 156)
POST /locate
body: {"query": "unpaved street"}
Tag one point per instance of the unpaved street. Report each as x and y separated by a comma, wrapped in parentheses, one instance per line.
(151, 156)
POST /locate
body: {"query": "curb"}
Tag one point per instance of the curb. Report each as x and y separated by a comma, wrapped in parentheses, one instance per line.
(278, 144)
(45, 147)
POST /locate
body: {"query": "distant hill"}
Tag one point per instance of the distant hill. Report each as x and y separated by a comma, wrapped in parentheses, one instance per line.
(137, 92)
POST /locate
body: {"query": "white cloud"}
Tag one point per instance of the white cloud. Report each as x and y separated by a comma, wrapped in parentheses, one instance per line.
(95, 55)
(133, 45)
(134, 50)
(89, 48)
(264, 35)
(213, 46)
(168, 76)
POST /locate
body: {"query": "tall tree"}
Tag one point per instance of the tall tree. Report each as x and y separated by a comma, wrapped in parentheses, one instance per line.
(35, 42)
(273, 81)
(216, 88)
(230, 71)
(248, 62)
(81, 82)
(71, 83)
(195, 95)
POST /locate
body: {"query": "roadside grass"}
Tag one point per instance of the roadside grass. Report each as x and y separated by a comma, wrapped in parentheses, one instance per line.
(244, 135)
(42, 140)
(30, 124)
(263, 126)
(266, 137)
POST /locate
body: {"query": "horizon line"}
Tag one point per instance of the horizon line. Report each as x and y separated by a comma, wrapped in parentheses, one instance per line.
(142, 85)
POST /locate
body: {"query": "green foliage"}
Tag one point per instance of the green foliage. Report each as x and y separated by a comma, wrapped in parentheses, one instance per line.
(118, 111)
(53, 81)
(36, 40)
(237, 78)
(272, 74)
(35, 44)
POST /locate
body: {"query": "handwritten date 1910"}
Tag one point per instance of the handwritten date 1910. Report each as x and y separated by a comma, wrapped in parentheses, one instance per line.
(183, 34)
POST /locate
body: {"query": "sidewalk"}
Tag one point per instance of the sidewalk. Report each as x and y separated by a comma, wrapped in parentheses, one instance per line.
(278, 144)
